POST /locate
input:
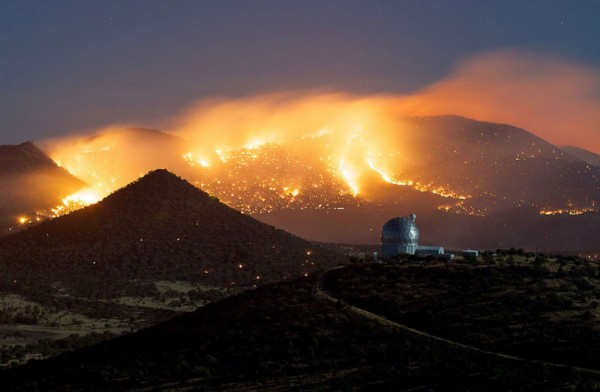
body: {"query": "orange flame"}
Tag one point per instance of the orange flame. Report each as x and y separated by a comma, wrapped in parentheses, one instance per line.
(356, 138)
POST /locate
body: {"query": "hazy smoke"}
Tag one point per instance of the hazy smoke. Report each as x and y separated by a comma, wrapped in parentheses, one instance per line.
(277, 118)
(553, 98)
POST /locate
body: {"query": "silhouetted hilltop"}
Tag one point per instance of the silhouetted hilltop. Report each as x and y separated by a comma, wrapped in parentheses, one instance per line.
(23, 157)
(159, 227)
(30, 182)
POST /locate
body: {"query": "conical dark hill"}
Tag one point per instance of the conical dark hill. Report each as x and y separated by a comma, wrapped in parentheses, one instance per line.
(159, 227)
(22, 158)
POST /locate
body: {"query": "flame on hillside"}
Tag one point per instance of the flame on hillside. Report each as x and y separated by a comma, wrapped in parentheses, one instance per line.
(77, 200)
(332, 127)
(336, 143)
(568, 211)
(336, 131)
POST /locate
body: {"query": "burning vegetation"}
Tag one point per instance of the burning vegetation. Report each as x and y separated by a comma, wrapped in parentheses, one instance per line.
(261, 154)
(329, 152)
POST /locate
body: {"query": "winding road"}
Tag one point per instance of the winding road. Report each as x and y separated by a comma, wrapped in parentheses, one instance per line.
(322, 293)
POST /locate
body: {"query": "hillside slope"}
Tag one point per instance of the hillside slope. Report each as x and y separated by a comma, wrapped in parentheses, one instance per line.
(30, 182)
(582, 154)
(159, 227)
(288, 336)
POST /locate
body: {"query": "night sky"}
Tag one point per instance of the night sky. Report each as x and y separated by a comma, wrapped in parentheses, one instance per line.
(67, 66)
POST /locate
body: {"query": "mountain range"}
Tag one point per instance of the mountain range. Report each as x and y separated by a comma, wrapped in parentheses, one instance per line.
(472, 184)
(303, 322)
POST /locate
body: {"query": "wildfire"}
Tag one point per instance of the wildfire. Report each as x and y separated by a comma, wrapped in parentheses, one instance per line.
(438, 190)
(291, 191)
(568, 211)
(349, 176)
(193, 161)
(462, 208)
(80, 199)
(280, 151)
(386, 177)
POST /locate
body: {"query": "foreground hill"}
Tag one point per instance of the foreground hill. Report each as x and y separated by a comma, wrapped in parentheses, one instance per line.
(157, 228)
(294, 335)
(546, 311)
(30, 182)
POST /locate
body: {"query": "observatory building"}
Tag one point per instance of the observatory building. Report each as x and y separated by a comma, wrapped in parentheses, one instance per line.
(400, 235)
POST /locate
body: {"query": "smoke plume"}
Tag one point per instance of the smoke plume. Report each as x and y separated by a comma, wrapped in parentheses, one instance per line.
(555, 99)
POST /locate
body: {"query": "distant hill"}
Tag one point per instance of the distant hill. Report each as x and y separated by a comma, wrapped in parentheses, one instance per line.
(582, 154)
(30, 182)
(481, 185)
(500, 166)
(23, 158)
(118, 157)
(159, 227)
(289, 336)
(471, 183)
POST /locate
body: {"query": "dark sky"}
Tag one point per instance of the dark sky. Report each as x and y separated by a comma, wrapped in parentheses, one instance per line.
(72, 65)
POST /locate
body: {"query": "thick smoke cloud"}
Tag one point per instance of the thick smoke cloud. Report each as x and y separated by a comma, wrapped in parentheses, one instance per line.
(553, 98)
(276, 118)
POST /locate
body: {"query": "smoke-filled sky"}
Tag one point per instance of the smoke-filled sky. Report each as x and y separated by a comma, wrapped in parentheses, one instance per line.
(71, 66)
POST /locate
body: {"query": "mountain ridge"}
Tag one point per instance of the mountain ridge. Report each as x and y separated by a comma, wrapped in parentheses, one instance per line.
(31, 184)
(458, 174)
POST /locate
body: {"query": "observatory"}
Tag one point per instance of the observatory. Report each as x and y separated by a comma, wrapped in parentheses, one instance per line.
(400, 235)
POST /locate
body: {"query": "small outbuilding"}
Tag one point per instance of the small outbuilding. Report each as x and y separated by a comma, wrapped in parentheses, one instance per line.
(430, 250)
(470, 252)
